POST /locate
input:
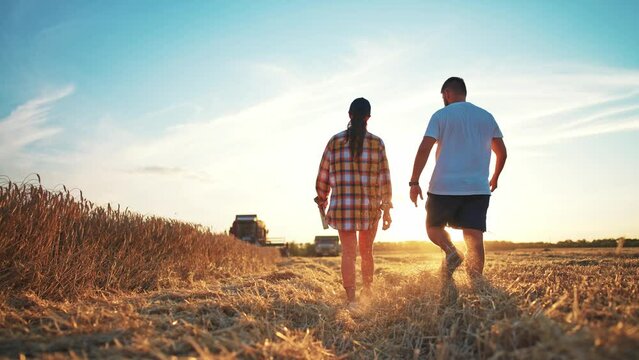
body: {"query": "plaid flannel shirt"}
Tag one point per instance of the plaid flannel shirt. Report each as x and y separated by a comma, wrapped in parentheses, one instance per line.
(360, 189)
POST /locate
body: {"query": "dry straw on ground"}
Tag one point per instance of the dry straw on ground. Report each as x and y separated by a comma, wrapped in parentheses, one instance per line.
(532, 304)
(527, 308)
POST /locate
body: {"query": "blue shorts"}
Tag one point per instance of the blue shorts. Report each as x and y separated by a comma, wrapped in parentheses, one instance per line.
(457, 211)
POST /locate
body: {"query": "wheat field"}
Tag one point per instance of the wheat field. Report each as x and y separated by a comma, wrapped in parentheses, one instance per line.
(61, 246)
(531, 305)
(83, 281)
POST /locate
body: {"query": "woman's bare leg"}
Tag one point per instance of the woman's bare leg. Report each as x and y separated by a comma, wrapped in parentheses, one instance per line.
(349, 255)
(366, 239)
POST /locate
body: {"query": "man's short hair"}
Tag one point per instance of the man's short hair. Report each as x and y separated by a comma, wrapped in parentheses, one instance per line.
(455, 84)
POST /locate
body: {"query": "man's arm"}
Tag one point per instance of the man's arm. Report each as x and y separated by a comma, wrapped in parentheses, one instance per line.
(499, 148)
(420, 162)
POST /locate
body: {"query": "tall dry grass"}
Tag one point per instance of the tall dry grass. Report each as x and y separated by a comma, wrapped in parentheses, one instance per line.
(60, 247)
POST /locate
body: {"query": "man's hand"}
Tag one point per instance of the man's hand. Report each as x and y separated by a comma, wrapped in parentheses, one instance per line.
(386, 220)
(414, 191)
(499, 148)
(493, 184)
(420, 161)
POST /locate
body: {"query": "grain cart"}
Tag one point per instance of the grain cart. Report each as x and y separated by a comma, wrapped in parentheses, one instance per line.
(327, 246)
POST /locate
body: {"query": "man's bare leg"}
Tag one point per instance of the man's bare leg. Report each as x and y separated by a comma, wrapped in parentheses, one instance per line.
(440, 237)
(475, 252)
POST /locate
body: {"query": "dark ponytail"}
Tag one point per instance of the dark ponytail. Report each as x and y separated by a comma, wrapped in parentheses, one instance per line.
(360, 109)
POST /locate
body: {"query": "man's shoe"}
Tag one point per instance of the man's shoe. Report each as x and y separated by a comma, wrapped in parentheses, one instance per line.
(452, 261)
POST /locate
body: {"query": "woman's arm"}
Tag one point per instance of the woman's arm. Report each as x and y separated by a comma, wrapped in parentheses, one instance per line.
(386, 188)
(322, 184)
(385, 180)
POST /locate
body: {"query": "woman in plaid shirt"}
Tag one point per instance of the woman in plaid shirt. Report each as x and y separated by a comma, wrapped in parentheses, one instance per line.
(354, 169)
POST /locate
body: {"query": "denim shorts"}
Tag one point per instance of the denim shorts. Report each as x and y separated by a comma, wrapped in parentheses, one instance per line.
(457, 211)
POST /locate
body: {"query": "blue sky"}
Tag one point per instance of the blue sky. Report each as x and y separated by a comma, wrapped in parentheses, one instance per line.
(200, 110)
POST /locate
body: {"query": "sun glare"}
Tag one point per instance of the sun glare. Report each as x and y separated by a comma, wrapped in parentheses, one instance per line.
(409, 223)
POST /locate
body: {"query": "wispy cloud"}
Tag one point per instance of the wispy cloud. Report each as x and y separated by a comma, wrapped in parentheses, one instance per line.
(185, 111)
(545, 108)
(200, 176)
(27, 124)
(157, 170)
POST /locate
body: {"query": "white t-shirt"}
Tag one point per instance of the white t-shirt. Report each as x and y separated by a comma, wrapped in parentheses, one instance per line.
(464, 133)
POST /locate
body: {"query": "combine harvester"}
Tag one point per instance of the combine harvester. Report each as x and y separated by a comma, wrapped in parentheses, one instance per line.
(252, 230)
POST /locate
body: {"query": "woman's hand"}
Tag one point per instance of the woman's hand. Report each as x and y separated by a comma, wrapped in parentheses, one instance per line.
(386, 220)
(321, 203)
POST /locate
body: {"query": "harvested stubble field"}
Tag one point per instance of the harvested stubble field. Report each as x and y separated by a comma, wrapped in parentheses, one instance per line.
(533, 304)
(81, 281)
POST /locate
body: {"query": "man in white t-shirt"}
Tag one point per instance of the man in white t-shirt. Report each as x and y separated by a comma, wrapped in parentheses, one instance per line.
(459, 190)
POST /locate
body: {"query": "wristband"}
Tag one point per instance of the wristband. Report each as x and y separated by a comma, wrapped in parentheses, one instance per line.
(413, 183)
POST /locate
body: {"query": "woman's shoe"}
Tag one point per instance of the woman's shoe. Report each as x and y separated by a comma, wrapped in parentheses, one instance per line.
(350, 295)
(366, 292)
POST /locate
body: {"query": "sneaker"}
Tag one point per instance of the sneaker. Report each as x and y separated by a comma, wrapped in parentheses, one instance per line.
(452, 261)
(352, 306)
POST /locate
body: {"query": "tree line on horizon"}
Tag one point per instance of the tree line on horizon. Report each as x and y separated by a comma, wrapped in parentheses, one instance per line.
(308, 249)
(569, 243)
(511, 245)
